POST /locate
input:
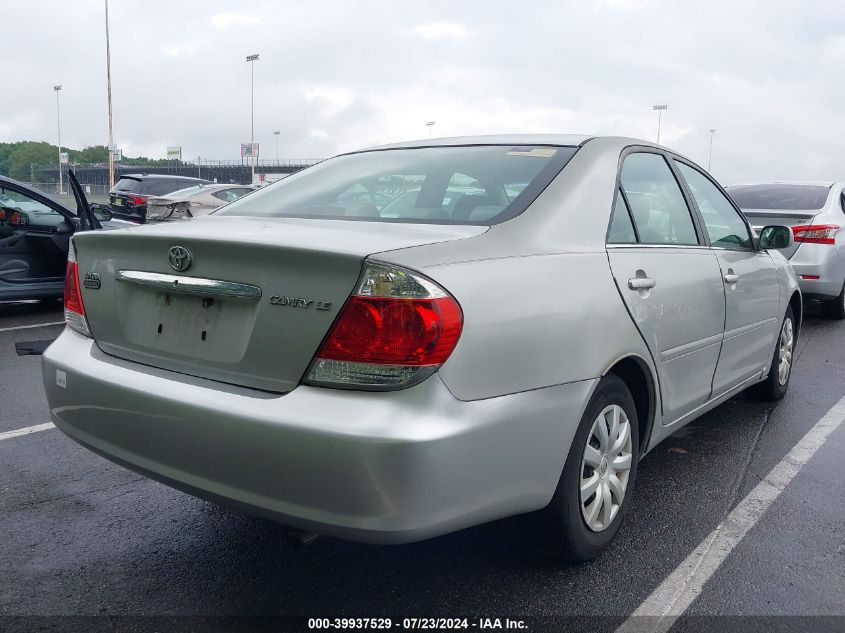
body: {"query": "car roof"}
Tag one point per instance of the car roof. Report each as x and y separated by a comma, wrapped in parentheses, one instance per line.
(811, 183)
(490, 139)
(159, 176)
(201, 187)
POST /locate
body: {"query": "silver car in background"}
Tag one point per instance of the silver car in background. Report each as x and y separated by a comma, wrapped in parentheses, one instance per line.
(545, 311)
(816, 213)
(192, 202)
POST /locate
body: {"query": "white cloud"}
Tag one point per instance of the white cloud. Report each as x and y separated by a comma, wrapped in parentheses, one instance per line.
(334, 100)
(185, 49)
(337, 76)
(227, 19)
(438, 30)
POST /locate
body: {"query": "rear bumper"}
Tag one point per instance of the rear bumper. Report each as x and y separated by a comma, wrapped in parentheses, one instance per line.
(129, 214)
(386, 467)
(824, 261)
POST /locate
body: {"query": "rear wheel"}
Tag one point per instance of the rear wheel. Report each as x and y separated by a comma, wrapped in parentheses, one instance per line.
(780, 371)
(835, 308)
(594, 490)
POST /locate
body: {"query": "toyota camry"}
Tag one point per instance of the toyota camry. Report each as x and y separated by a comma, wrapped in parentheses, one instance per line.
(529, 318)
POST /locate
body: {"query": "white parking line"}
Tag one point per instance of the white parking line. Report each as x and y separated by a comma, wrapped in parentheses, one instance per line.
(7, 435)
(677, 592)
(28, 327)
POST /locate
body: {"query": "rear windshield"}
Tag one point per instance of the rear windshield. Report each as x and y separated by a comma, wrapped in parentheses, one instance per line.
(127, 184)
(779, 197)
(478, 184)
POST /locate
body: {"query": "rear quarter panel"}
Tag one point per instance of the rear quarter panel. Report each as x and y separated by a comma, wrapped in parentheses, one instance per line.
(533, 322)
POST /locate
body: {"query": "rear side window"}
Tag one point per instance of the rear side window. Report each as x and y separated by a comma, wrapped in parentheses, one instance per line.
(658, 207)
(724, 226)
(472, 184)
(230, 195)
(779, 197)
(127, 184)
(621, 228)
(160, 187)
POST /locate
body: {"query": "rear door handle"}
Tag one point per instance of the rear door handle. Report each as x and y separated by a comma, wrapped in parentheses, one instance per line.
(731, 278)
(641, 283)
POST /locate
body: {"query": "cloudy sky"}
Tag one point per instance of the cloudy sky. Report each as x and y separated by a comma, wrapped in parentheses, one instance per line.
(769, 76)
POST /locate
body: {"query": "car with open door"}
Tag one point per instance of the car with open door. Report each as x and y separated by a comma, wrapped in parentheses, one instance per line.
(35, 232)
(392, 376)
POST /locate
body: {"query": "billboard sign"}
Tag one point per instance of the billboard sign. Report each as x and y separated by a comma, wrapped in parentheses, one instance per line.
(174, 152)
(249, 150)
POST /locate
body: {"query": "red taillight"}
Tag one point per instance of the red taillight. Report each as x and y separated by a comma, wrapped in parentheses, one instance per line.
(73, 297)
(810, 277)
(74, 308)
(816, 233)
(136, 201)
(395, 330)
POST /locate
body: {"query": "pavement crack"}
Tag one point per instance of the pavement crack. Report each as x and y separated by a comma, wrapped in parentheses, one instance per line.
(742, 476)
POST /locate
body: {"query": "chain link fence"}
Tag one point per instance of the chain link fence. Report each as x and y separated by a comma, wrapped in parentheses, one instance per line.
(96, 176)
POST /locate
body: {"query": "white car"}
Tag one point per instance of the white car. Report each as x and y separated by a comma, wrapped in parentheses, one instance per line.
(193, 201)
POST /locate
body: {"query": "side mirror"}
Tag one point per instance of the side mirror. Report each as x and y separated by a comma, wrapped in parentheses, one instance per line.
(18, 219)
(776, 237)
(64, 228)
(101, 212)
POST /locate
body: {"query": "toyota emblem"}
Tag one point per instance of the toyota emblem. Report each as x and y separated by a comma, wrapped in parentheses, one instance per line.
(180, 258)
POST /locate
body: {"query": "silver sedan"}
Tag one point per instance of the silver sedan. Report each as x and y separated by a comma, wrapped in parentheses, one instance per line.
(193, 202)
(815, 211)
(544, 312)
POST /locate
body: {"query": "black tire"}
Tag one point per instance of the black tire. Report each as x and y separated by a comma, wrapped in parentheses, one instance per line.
(835, 308)
(771, 388)
(564, 532)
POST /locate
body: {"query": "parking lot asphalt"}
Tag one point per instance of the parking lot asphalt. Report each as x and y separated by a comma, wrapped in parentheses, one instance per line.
(82, 536)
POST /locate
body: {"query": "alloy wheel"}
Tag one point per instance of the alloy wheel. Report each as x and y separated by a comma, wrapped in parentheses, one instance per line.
(787, 340)
(605, 468)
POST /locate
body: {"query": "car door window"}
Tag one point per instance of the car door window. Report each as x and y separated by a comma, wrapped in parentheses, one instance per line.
(230, 195)
(621, 228)
(13, 203)
(724, 225)
(658, 207)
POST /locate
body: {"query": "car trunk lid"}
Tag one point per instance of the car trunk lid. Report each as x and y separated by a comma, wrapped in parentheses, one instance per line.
(252, 306)
(760, 218)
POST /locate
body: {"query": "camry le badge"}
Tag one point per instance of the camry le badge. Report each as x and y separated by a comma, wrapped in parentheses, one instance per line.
(92, 280)
(180, 258)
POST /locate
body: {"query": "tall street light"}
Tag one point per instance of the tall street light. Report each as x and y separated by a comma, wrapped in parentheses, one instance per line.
(276, 134)
(59, 128)
(251, 59)
(710, 154)
(660, 109)
(108, 81)
(429, 125)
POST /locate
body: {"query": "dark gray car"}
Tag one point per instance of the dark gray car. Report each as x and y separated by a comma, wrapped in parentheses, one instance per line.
(128, 199)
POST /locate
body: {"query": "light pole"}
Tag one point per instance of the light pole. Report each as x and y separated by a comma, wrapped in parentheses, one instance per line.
(276, 134)
(710, 153)
(429, 125)
(660, 109)
(59, 128)
(108, 81)
(251, 59)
